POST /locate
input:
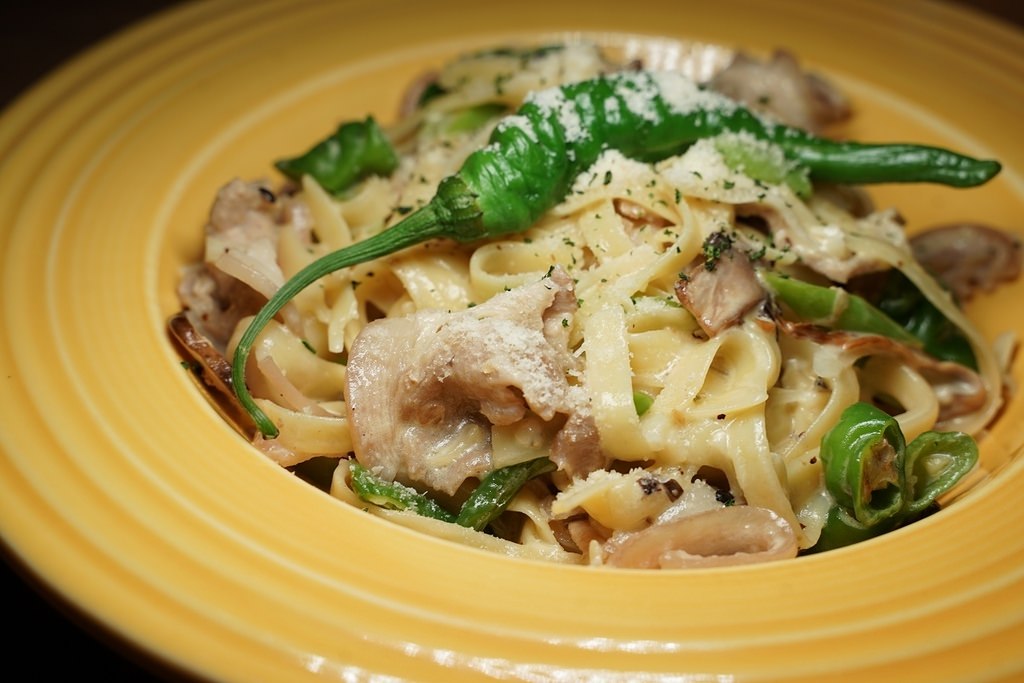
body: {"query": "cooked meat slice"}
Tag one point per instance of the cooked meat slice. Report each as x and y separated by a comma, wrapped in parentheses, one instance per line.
(240, 269)
(437, 444)
(968, 257)
(719, 291)
(583, 533)
(825, 248)
(214, 302)
(422, 391)
(241, 236)
(246, 205)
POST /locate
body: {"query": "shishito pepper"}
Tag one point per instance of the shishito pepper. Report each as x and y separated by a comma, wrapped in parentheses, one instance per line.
(487, 501)
(904, 314)
(841, 529)
(834, 307)
(494, 493)
(534, 156)
(935, 462)
(356, 150)
(393, 495)
(904, 303)
(898, 483)
(863, 460)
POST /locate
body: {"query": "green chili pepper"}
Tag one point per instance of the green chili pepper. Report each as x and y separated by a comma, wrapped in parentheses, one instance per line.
(834, 307)
(762, 160)
(902, 314)
(487, 501)
(902, 301)
(935, 462)
(431, 92)
(841, 530)
(863, 460)
(857, 163)
(496, 491)
(642, 402)
(864, 456)
(940, 337)
(394, 495)
(356, 150)
(470, 119)
(535, 155)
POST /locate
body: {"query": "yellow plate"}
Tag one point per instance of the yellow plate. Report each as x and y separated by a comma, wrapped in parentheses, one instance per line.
(127, 494)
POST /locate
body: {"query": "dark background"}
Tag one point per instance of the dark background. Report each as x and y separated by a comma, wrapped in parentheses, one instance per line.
(36, 37)
(46, 637)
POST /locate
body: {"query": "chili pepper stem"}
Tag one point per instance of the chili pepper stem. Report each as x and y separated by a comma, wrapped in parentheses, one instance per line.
(417, 227)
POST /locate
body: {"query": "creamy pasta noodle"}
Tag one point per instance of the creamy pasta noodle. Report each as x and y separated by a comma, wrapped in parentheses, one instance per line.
(672, 332)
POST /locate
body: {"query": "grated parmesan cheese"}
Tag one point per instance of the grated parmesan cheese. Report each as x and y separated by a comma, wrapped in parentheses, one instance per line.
(618, 168)
(612, 111)
(569, 118)
(522, 123)
(683, 96)
(637, 93)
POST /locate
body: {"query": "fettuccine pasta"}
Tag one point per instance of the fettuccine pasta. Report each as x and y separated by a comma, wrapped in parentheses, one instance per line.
(630, 336)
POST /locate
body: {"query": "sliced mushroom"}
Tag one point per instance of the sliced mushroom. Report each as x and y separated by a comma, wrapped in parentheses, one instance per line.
(719, 292)
(968, 257)
(853, 199)
(413, 95)
(214, 376)
(728, 536)
(215, 302)
(780, 88)
(576, 448)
